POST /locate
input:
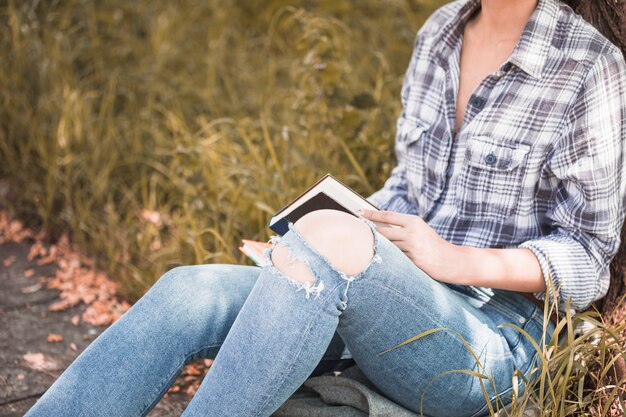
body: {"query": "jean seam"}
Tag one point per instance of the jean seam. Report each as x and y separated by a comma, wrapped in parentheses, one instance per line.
(437, 323)
(173, 377)
(271, 395)
(506, 391)
(524, 372)
(505, 309)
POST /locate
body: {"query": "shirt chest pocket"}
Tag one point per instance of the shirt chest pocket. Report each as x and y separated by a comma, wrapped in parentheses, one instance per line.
(491, 179)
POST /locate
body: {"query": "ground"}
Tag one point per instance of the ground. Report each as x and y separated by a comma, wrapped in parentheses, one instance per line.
(31, 358)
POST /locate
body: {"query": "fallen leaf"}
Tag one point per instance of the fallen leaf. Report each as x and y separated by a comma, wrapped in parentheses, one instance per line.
(20, 377)
(39, 362)
(36, 250)
(9, 261)
(61, 305)
(75, 277)
(73, 346)
(13, 231)
(53, 254)
(193, 370)
(86, 261)
(54, 338)
(31, 288)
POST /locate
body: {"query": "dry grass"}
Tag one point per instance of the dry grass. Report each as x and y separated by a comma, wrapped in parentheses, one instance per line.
(576, 375)
(580, 371)
(161, 133)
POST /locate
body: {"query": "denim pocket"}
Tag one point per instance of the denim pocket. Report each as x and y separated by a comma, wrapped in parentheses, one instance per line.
(491, 180)
(507, 308)
(503, 302)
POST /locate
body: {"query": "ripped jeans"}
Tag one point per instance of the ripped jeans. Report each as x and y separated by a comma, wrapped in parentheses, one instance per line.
(268, 333)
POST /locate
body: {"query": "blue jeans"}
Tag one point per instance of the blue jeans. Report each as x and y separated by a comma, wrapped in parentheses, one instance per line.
(268, 332)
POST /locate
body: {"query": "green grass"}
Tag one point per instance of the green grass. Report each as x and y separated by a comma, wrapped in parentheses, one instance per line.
(161, 133)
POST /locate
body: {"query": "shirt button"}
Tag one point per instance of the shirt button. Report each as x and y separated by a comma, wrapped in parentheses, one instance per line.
(507, 67)
(490, 159)
(477, 102)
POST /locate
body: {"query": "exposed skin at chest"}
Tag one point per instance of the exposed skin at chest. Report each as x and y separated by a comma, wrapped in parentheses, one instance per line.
(484, 51)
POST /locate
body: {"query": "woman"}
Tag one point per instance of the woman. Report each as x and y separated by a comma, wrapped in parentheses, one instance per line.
(509, 183)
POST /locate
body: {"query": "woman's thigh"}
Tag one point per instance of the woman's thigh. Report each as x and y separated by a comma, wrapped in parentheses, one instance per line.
(396, 301)
(196, 306)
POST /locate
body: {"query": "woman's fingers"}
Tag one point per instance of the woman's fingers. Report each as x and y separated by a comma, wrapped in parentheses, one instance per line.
(392, 233)
(389, 217)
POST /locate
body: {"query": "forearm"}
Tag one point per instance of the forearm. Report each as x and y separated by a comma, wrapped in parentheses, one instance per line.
(515, 269)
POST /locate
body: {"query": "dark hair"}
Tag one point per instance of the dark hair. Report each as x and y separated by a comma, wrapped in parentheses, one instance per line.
(608, 16)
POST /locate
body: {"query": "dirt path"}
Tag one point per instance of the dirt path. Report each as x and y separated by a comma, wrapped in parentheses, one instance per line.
(30, 358)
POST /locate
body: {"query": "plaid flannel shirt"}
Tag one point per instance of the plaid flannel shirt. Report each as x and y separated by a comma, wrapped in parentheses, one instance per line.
(538, 160)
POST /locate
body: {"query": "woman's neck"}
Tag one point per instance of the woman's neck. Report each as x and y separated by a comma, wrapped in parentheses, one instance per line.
(503, 20)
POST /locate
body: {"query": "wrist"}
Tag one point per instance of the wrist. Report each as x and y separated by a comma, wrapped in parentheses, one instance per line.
(460, 266)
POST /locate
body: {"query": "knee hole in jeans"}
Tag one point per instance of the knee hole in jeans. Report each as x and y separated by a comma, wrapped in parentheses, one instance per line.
(346, 243)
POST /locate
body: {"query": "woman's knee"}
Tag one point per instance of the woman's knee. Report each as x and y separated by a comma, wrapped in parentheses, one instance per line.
(194, 305)
(177, 281)
(344, 240)
(198, 289)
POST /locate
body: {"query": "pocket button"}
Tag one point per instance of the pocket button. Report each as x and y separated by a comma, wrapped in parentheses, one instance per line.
(490, 159)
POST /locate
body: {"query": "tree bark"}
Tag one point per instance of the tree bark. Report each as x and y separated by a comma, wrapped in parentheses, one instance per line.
(613, 305)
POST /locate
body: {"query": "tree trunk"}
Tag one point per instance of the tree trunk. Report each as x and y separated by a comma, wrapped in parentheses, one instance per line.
(613, 305)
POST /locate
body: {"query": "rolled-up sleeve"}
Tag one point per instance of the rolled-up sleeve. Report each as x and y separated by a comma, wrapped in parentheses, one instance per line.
(588, 183)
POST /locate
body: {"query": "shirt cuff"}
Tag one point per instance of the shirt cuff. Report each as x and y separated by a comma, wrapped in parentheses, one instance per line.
(567, 268)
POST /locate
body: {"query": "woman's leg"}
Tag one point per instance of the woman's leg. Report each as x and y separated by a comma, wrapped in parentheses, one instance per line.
(301, 299)
(186, 315)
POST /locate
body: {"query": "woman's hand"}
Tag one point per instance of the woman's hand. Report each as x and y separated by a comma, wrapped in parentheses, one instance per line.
(420, 242)
(515, 269)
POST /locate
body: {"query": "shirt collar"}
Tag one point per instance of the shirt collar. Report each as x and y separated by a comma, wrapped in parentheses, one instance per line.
(533, 48)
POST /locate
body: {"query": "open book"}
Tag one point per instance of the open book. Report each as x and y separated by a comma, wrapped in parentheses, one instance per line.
(327, 193)
(255, 250)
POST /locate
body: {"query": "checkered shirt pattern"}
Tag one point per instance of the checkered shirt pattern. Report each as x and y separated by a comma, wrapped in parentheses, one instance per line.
(538, 160)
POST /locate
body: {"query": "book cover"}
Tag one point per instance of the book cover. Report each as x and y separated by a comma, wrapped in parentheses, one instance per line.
(318, 202)
(326, 193)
